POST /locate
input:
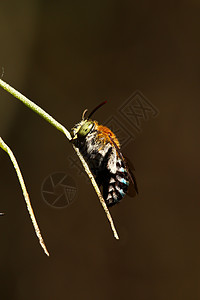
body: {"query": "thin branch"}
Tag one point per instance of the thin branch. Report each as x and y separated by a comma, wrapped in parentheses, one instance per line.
(61, 128)
(25, 193)
(35, 108)
(87, 170)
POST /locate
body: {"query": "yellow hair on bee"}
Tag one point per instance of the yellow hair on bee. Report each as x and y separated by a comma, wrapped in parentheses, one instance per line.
(105, 135)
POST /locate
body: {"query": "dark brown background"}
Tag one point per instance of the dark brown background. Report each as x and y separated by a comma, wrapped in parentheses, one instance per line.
(67, 56)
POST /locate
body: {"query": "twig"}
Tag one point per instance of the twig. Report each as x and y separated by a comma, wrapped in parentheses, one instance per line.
(25, 193)
(35, 108)
(87, 170)
(61, 128)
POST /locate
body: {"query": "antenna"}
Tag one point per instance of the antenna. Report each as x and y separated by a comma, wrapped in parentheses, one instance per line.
(93, 111)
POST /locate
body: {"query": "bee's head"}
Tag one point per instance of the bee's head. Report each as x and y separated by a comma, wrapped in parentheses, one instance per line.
(83, 128)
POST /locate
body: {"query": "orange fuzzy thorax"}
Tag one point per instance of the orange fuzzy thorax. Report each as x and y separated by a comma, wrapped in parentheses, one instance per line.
(105, 135)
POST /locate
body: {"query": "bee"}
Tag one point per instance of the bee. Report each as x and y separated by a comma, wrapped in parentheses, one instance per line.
(101, 150)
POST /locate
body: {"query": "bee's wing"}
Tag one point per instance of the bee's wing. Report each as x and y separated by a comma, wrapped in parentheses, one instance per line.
(133, 188)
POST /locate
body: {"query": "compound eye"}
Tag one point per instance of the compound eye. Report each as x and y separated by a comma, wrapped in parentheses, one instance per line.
(85, 129)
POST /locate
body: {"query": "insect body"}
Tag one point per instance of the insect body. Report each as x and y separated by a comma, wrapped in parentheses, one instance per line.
(101, 150)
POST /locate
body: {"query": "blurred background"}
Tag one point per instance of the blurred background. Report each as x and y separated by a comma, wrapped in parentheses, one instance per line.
(67, 56)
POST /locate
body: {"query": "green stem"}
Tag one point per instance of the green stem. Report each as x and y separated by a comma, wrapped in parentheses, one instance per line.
(35, 108)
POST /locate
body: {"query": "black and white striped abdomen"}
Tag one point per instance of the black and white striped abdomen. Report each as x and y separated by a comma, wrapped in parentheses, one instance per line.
(117, 185)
